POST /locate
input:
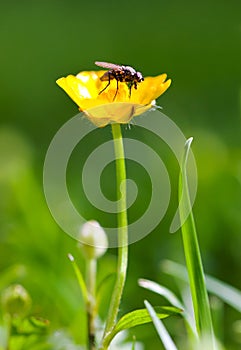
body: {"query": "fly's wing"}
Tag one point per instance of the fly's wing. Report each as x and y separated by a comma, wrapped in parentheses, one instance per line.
(106, 76)
(108, 65)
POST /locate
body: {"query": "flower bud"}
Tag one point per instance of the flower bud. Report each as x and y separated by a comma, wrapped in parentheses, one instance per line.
(93, 240)
(16, 301)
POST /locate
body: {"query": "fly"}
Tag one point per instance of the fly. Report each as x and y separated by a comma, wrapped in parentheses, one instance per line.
(122, 74)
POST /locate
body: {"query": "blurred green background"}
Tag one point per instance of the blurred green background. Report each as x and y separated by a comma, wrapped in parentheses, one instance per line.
(198, 45)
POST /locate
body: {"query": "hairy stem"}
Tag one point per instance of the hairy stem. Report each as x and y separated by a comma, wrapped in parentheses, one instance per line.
(122, 233)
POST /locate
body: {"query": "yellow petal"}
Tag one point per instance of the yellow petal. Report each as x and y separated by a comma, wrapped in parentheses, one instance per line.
(150, 89)
(65, 84)
(116, 112)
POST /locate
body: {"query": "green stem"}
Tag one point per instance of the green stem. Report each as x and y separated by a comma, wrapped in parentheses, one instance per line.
(91, 303)
(122, 233)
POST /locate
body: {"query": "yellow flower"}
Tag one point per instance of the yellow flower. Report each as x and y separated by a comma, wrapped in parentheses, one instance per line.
(84, 90)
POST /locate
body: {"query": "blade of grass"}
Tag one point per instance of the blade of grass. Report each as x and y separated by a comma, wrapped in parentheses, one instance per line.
(161, 330)
(80, 278)
(161, 290)
(225, 292)
(193, 257)
(173, 300)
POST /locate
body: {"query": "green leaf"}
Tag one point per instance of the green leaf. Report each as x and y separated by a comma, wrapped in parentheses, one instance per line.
(139, 317)
(161, 330)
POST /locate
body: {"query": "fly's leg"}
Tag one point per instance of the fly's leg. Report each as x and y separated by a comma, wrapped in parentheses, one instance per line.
(130, 87)
(106, 85)
(116, 90)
